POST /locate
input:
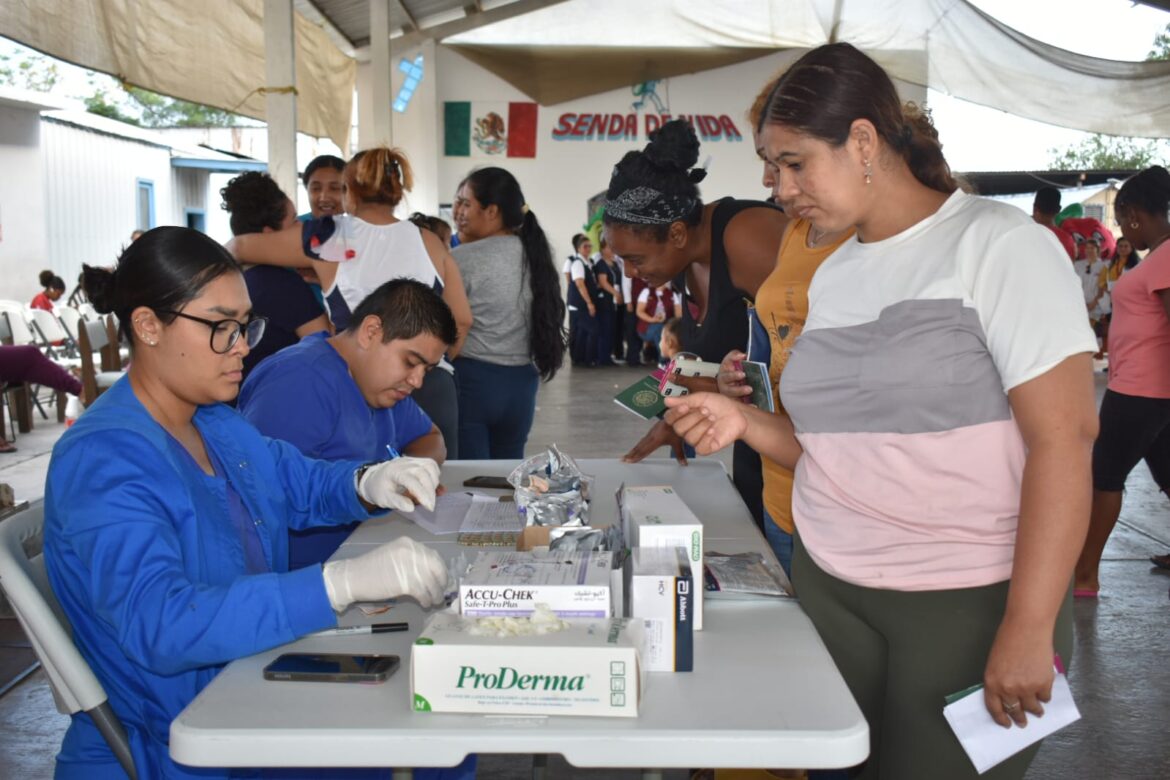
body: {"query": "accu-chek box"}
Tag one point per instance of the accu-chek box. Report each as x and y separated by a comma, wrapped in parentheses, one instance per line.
(591, 668)
(656, 516)
(510, 583)
(659, 591)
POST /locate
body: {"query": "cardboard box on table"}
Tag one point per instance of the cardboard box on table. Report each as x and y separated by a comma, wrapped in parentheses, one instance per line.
(508, 583)
(656, 516)
(591, 668)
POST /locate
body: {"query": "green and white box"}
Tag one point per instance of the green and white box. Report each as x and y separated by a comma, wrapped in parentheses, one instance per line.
(593, 667)
(510, 583)
(656, 516)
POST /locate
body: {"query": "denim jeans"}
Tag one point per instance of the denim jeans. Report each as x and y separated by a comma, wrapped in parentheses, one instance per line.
(496, 407)
(780, 541)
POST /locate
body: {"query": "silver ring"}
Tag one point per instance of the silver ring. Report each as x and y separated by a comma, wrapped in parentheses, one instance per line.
(1010, 707)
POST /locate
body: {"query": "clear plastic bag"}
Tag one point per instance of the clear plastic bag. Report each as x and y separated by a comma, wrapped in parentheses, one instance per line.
(551, 490)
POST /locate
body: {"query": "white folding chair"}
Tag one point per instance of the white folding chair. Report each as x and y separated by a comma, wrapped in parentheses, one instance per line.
(70, 319)
(49, 334)
(87, 310)
(93, 339)
(23, 576)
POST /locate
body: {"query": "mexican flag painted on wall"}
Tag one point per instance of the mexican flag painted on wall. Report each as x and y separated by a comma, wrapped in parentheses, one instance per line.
(489, 129)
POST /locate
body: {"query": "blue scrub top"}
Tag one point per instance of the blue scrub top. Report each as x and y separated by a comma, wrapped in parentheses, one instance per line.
(142, 554)
(305, 395)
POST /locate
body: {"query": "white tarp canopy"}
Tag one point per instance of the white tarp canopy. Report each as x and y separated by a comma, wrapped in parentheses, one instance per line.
(209, 51)
(947, 45)
(212, 52)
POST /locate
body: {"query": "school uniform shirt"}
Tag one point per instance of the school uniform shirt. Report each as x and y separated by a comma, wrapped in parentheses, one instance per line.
(1139, 333)
(581, 269)
(305, 396)
(897, 388)
(151, 563)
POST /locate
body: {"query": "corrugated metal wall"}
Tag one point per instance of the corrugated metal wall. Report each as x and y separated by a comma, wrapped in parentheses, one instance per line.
(190, 192)
(91, 193)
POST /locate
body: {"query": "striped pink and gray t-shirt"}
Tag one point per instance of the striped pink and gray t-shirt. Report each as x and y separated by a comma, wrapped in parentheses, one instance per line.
(910, 478)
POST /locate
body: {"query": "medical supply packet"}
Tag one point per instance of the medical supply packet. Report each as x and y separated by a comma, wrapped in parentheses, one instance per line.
(660, 591)
(512, 583)
(591, 667)
(656, 516)
(744, 576)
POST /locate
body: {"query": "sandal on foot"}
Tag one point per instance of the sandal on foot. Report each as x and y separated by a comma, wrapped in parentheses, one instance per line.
(7, 446)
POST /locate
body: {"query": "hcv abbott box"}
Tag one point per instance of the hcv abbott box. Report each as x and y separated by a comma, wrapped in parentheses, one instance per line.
(659, 591)
(656, 516)
(592, 667)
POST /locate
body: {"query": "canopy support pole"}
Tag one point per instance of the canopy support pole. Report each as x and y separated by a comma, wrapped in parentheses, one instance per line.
(381, 98)
(280, 99)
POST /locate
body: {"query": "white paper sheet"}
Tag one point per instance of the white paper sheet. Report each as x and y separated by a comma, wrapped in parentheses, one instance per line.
(492, 517)
(987, 743)
(450, 509)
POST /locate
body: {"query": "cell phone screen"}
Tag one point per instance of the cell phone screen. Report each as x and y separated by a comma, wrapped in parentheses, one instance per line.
(328, 667)
(498, 483)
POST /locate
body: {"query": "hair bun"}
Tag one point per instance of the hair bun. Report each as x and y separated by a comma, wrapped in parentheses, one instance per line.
(98, 284)
(674, 146)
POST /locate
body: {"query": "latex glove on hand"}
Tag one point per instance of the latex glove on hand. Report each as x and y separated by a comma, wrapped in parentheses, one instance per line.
(401, 483)
(402, 567)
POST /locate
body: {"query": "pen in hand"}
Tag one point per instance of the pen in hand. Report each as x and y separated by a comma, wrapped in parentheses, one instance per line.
(376, 628)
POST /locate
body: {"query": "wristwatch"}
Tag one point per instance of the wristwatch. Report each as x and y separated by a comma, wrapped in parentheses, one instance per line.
(361, 471)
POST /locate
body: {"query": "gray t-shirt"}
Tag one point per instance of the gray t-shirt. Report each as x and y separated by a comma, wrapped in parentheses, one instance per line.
(501, 300)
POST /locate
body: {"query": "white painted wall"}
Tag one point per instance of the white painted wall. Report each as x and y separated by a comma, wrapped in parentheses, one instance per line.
(566, 173)
(23, 234)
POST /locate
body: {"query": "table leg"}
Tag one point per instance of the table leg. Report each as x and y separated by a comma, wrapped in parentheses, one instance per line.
(402, 774)
(651, 774)
(539, 766)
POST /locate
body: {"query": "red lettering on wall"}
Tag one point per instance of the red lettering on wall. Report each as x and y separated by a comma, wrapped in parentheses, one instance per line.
(631, 126)
(564, 126)
(729, 128)
(581, 123)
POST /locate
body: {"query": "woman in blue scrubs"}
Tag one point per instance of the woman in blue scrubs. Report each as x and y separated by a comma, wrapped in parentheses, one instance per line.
(167, 514)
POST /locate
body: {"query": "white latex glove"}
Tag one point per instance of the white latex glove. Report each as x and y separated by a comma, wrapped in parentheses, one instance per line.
(387, 483)
(402, 567)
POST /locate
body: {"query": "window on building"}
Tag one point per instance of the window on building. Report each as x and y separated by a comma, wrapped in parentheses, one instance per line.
(145, 205)
(197, 220)
(1095, 211)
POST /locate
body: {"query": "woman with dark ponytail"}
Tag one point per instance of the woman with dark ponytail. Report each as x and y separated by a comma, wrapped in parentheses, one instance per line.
(717, 254)
(167, 514)
(518, 335)
(939, 421)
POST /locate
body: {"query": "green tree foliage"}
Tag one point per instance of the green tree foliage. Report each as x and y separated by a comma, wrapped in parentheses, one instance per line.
(34, 72)
(1105, 153)
(161, 111)
(1161, 46)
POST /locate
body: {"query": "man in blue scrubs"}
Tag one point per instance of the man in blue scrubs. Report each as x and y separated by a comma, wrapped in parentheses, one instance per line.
(348, 396)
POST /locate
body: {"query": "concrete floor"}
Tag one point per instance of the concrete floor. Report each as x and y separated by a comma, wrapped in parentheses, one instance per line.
(1118, 674)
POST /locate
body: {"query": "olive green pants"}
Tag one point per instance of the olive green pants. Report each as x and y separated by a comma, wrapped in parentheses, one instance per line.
(902, 653)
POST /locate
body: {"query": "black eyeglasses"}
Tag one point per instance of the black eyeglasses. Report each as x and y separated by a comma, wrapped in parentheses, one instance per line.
(225, 333)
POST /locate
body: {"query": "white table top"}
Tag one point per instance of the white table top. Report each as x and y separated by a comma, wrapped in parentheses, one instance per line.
(764, 692)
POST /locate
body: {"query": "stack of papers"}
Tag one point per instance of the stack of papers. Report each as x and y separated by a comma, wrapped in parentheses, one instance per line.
(470, 515)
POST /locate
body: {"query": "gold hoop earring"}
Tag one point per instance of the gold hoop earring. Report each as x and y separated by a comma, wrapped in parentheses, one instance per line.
(868, 173)
(1133, 225)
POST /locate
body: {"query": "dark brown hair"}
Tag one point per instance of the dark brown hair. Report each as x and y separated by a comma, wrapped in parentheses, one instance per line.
(830, 87)
(379, 175)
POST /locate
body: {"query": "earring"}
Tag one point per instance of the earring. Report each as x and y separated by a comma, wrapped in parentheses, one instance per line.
(1133, 225)
(868, 172)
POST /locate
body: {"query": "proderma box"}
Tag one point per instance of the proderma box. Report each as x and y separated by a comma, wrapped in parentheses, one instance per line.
(509, 583)
(592, 667)
(656, 516)
(660, 591)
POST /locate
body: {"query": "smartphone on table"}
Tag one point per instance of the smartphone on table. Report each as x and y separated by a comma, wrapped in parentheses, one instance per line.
(483, 481)
(331, 667)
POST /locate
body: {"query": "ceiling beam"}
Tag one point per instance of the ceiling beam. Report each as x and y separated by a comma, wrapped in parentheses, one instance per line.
(309, 10)
(409, 16)
(471, 22)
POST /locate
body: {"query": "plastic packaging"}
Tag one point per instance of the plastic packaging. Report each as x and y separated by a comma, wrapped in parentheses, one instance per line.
(551, 490)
